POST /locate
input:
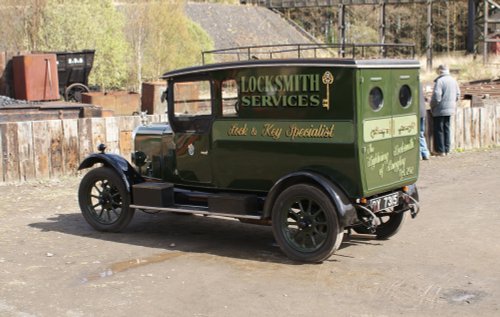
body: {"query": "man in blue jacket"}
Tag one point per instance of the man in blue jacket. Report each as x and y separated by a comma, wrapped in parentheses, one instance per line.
(443, 103)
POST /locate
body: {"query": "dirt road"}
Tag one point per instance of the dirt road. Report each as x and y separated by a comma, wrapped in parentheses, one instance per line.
(443, 263)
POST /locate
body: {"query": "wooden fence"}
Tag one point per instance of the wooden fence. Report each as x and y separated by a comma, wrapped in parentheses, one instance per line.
(49, 149)
(472, 127)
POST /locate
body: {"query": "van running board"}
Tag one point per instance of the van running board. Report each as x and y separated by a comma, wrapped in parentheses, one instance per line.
(195, 210)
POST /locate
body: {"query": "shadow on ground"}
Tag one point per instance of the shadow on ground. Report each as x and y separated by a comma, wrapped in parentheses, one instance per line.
(191, 233)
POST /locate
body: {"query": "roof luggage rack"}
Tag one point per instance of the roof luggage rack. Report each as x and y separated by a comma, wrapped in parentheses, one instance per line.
(313, 50)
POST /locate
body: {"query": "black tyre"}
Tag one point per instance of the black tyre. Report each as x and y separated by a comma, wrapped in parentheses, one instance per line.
(104, 200)
(305, 224)
(390, 223)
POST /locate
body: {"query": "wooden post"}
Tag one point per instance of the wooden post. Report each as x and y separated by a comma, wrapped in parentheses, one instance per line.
(112, 135)
(467, 128)
(497, 124)
(98, 132)
(11, 152)
(26, 155)
(2, 178)
(475, 131)
(56, 149)
(71, 151)
(85, 137)
(459, 128)
(41, 145)
(452, 133)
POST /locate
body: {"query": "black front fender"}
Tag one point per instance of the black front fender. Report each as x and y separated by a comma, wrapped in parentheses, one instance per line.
(116, 162)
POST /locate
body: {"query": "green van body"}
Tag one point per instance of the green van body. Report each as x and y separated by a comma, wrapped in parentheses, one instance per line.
(283, 125)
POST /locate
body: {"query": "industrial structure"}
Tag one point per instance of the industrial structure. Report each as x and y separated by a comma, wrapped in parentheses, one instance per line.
(482, 15)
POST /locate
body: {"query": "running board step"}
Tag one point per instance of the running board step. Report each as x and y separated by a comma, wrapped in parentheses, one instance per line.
(153, 194)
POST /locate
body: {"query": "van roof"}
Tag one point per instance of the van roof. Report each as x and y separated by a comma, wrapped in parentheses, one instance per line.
(297, 62)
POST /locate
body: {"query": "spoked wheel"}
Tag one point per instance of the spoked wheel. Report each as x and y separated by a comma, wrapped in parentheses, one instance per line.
(305, 224)
(74, 92)
(104, 200)
(390, 223)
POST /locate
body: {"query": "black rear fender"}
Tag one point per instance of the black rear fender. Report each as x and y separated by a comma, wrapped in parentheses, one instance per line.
(345, 210)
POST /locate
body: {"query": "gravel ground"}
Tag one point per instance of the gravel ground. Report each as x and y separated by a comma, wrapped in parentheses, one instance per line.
(443, 263)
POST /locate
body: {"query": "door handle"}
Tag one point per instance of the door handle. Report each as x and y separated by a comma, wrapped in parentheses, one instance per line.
(204, 152)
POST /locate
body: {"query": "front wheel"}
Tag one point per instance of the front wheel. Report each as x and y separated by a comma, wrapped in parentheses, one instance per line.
(104, 200)
(305, 224)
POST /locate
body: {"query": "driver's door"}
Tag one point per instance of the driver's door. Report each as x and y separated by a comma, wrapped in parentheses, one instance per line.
(192, 122)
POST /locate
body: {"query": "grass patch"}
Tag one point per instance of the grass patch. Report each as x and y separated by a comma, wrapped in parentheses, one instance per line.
(463, 67)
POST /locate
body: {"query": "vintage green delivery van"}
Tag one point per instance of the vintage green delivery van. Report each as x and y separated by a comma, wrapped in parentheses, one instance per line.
(313, 146)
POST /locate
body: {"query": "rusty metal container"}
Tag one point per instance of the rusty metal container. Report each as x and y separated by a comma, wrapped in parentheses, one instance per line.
(3, 73)
(151, 97)
(122, 103)
(35, 77)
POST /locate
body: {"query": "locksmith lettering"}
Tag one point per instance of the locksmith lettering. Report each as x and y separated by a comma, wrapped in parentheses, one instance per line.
(281, 90)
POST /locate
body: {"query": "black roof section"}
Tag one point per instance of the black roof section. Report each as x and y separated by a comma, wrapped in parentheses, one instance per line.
(318, 62)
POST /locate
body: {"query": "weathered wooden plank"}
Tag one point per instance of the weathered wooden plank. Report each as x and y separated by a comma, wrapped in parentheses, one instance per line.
(459, 129)
(126, 144)
(127, 126)
(1, 154)
(491, 121)
(475, 128)
(467, 128)
(452, 133)
(41, 146)
(126, 123)
(85, 137)
(98, 132)
(485, 127)
(56, 148)
(26, 149)
(71, 151)
(11, 152)
(497, 124)
(429, 132)
(112, 135)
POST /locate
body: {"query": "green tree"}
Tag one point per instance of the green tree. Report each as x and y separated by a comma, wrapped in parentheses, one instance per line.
(20, 22)
(162, 37)
(89, 24)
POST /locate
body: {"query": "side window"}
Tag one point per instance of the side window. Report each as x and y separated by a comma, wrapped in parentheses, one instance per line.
(192, 99)
(230, 98)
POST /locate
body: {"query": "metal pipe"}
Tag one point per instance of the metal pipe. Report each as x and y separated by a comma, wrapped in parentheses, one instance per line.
(429, 35)
(485, 35)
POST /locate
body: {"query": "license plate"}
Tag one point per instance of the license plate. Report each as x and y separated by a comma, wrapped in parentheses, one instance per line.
(384, 202)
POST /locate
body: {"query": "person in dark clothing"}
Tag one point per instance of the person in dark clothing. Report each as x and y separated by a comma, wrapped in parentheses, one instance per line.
(443, 104)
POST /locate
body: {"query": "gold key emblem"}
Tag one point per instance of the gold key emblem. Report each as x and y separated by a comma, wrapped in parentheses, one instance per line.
(327, 80)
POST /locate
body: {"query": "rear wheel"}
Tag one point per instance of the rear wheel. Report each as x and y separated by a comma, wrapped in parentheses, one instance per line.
(104, 200)
(305, 224)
